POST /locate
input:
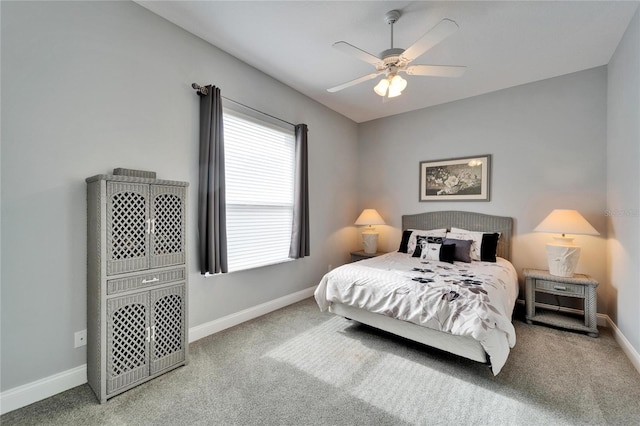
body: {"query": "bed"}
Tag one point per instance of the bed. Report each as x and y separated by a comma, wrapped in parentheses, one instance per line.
(461, 308)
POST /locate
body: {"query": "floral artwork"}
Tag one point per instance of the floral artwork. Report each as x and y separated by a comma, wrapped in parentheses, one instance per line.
(455, 179)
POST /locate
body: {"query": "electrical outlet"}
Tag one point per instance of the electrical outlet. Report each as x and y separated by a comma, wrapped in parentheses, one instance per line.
(329, 268)
(80, 338)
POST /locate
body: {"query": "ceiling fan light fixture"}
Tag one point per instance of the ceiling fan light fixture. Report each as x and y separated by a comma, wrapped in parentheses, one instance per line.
(394, 93)
(390, 86)
(381, 87)
(398, 83)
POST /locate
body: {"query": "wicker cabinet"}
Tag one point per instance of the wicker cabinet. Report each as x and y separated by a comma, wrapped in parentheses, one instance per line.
(136, 281)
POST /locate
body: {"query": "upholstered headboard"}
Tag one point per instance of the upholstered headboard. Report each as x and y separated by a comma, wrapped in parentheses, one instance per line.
(466, 220)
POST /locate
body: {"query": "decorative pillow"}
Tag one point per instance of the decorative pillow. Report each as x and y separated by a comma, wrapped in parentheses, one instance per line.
(474, 237)
(478, 240)
(431, 248)
(427, 248)
(489, 247)
(448, 253)
(462, 249)
(411, 243)
(406, 234)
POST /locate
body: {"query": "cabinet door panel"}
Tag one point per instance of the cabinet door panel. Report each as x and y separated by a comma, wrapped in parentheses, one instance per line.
(127, 340)
(127, 227)
(168, 338)
(167, 225)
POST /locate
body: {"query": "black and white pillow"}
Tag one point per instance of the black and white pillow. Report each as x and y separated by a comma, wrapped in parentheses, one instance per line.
(408, 243)
(427, 248)
(484, 246)
(432, 248)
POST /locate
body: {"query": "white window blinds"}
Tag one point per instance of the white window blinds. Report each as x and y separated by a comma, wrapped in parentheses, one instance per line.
(259, 162)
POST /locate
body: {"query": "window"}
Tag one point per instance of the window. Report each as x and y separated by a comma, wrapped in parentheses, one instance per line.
(259, 173)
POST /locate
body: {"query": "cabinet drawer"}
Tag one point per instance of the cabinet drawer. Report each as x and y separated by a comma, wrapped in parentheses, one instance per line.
(144, 280)
(575, 290)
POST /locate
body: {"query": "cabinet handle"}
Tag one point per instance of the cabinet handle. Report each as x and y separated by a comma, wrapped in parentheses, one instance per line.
(153, 226)
(560, 287)
(153, 333)
(148, 338)
(148, 225)
(146, 281)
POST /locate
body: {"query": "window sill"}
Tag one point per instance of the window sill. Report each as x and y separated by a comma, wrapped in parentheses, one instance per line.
(208, 275)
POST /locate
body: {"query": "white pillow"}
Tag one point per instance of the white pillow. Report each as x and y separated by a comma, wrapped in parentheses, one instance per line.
(476, 237)
(411, 246)
(431, 251)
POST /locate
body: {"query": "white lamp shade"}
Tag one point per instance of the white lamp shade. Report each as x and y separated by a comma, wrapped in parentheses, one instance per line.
(381, 87)
(566, 222)
(369, 217)
(398, 83)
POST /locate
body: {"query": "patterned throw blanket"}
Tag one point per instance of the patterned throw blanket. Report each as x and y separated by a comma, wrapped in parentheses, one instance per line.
(466, 299)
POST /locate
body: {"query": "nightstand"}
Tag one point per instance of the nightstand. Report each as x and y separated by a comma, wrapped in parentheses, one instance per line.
(360, 255)
(579, 286)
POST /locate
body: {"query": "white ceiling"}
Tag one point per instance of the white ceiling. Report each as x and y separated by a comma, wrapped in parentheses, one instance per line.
(503, 43)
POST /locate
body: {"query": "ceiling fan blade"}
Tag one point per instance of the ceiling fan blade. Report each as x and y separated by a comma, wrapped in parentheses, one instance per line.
(350, 49)
(354, 82)
(435, 35)
(436, 70)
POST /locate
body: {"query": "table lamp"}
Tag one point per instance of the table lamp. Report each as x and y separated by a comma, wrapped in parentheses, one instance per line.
(369, 235)
(562, 254)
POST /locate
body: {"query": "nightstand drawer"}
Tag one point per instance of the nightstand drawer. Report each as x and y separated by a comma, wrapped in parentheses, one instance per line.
(574, 290)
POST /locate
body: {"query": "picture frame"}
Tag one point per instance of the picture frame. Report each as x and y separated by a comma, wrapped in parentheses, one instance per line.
(456, 179)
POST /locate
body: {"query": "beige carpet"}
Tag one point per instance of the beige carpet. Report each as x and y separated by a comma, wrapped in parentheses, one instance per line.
(297, 366)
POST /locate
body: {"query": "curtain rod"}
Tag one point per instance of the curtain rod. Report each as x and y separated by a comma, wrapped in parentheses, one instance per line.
(203, 90)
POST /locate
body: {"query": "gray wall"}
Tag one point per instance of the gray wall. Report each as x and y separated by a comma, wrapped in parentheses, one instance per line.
(623, 183)
(547, 141)
(89, 86)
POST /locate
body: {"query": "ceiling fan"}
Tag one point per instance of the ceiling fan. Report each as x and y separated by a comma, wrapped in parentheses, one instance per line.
(394, 61)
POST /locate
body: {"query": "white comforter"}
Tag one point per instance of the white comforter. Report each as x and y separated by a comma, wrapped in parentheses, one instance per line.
(467, 299)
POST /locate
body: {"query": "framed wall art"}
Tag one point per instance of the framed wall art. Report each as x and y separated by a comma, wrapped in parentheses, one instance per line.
(456, 179)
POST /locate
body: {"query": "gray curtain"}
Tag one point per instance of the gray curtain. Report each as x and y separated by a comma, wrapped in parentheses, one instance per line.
(300, 233)
(212, 223)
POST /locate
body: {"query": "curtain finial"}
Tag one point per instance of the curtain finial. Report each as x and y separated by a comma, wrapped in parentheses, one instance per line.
(200, 89)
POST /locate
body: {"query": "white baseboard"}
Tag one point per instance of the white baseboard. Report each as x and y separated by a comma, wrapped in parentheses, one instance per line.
(629, 350)
(24, 395)
(215, 326)
(21, 396)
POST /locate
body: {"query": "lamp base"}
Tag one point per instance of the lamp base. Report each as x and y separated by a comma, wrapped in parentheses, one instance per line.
(370, 240)
(562, 259)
